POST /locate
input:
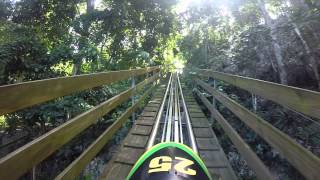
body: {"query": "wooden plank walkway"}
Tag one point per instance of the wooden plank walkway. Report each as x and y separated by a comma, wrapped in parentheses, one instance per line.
(208, 146)
(135, 143)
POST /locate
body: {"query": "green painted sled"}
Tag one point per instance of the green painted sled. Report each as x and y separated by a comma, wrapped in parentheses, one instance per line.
(169, 161)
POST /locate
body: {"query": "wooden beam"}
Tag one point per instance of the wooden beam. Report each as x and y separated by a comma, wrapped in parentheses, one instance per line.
(251, 158)
(23, 159)
(303, 160)
(302, 100)
(18, 96)
(75, 168)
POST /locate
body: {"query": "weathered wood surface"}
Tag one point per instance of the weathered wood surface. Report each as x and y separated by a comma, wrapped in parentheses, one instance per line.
(18, 96)
(75, 168)
(302, 100)
(307, 163)
(23, 159)
(208, 145)
(251, 158)
(134, 144)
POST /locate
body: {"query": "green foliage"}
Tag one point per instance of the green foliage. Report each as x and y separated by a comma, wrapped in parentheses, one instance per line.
(51, 19)
(239, 37)
(45, 39)
(22, 55)
(5, 9)
(3, 123)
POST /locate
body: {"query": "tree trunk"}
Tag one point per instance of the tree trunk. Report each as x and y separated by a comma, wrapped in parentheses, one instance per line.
(76, 68)
(278, 54)
(260, 51)
(90, 6)
(276, 47)
(77, 65)
(312, 59)
(206, 47)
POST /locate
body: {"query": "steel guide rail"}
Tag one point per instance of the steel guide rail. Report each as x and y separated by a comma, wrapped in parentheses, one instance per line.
(157, 121)
(173, 123)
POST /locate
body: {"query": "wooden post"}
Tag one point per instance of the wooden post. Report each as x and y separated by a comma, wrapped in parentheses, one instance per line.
(213, 99)
(211, 119)
(133, 85)
(34, 172)
(214, 104)
(254, 102)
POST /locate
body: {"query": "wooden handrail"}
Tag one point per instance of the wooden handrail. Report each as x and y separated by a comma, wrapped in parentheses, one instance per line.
(251, 158)
(307, 163)
(24, 158)
(75, 168)
(18, 96)
(302, 100)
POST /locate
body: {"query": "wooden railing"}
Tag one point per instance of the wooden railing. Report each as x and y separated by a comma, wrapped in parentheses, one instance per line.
(22, 95)
(301, 100)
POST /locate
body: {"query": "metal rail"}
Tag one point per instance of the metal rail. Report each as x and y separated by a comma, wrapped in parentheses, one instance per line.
(157, 122)
(190, 132)
(173, 122)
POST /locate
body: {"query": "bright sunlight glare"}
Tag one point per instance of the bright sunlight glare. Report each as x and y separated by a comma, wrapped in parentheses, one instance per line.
(97, 2)
(183, 5)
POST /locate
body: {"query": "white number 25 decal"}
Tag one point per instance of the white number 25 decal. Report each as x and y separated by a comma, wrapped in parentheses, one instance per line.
(164, 163)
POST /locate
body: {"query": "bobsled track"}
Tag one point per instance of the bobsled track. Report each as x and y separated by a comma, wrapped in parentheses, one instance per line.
(173, 112)
(172, 115)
